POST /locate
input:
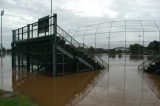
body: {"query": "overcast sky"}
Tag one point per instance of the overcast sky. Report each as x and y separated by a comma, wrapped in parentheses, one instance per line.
(73, 13)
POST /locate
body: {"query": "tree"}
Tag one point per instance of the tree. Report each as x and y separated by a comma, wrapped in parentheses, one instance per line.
(91, 49)
(136, 48)
(154, 46)
(3, 49)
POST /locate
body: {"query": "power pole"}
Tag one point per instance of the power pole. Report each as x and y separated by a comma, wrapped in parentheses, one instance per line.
(51, 8)
(2, 13)
(139, 45)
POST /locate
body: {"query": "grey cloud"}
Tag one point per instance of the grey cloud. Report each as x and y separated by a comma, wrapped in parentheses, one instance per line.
(21, 12)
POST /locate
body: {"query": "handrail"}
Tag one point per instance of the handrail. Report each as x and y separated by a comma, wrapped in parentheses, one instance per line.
(31, 31)
(76, 44)
(103, 62)
(147, 62)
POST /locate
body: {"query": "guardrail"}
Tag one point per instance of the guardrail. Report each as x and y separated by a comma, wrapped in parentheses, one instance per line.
(149, 61)
(76, 44)
(34, 31)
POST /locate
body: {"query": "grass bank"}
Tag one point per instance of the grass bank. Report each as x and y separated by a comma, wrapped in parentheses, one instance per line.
(10, 99)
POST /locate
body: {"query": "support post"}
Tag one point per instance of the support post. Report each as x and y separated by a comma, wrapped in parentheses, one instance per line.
(63, 62)
(143, 39)
(28, 58)
(18, 34)
(19, 59)
(22, 33)
(22, 61)
(54, 72)
(109, 38)
(32, 59)
(13, 48)
(13, 36)
(28, 31)
(1, 40)
(32, 30)
(13, 58)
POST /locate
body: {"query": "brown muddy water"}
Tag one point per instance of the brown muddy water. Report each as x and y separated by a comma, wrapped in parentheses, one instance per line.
(122, 85)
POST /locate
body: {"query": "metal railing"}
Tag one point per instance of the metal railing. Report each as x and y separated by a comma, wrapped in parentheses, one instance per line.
(149, 61)
(31, 31)
(81, 46)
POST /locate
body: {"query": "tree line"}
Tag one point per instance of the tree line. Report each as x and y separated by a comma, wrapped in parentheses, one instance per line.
(152, 47)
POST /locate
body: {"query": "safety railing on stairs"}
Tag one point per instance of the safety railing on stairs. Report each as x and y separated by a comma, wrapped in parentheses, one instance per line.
(147, 62)
(70, 40)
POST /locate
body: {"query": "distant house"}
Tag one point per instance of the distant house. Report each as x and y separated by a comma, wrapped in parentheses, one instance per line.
(121, 49)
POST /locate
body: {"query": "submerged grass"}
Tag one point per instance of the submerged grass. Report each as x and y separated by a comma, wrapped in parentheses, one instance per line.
(17, 100)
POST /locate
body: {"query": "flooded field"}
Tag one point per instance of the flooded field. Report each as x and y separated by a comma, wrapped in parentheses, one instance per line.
(120, 85)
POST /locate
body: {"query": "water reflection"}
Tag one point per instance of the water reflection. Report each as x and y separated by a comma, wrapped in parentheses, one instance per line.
(1, 59)
(119, 55)
(137, 57)
(154, 83)
(3, 55)
(5, 73)
(58, 91)
(1, 74)
(123, 85)
(113, 55)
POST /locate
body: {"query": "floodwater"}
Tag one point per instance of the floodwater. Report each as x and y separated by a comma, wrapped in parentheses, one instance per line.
(121, 85)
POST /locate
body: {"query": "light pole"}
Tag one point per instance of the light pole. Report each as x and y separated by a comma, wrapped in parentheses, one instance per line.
(139, 44)
(2, 13)
(51, 8)
(108, 48)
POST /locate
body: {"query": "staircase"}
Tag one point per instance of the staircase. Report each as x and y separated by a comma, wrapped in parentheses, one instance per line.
(76, 53)
(151, 65)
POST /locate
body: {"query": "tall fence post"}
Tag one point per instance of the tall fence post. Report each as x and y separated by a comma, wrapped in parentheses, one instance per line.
(14, 36)
(28, 59)
(54, 44)
(28, 48)
(28, 31)
(13, 48)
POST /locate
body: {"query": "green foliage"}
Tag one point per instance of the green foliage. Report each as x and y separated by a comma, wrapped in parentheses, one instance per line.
(91, 49)
(3, 49)
(154, 46)
(16, 101)
(112, 51)
(112, 55)
(119, 55)
(119, 51)
(136, 48)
